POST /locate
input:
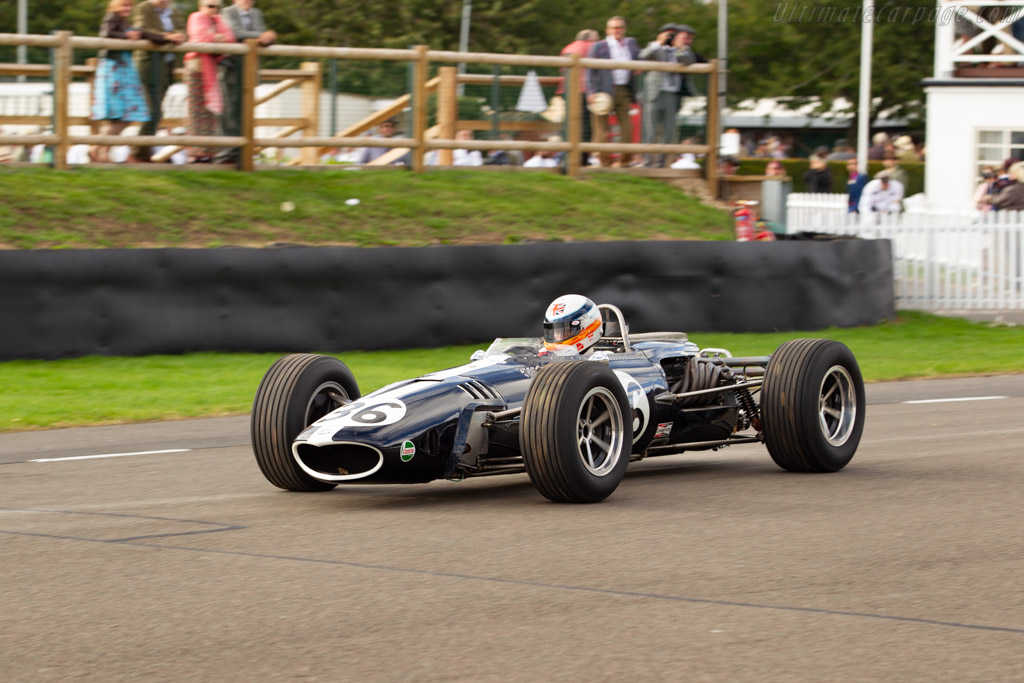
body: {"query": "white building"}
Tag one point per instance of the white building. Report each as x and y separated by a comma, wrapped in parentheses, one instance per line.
(975, 97)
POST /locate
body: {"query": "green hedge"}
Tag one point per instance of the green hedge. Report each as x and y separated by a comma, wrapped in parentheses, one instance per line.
(795, 169)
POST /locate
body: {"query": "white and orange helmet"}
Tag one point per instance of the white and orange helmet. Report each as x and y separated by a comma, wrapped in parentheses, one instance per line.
(572, 320)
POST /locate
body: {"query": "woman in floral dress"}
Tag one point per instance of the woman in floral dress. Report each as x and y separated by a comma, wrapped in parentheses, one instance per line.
(119, 98)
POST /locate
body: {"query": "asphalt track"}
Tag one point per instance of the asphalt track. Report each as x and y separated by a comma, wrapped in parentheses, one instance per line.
(186, 565)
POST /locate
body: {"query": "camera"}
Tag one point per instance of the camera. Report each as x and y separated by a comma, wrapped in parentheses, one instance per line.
(670, 38)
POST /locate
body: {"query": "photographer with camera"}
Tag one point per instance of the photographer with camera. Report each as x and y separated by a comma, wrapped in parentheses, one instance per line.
(1009, 189)
(661, 93)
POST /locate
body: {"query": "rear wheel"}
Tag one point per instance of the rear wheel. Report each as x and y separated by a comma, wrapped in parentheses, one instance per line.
(573, 433)
(296, 392)
(812, 405)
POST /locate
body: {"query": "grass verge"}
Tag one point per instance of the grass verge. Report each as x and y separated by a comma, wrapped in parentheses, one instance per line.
(101, 208)
(111, 390)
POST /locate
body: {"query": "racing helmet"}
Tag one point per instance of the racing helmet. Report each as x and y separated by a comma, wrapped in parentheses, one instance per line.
(572, 320)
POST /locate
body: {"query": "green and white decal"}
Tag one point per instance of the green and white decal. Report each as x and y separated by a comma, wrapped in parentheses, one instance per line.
(408, 450)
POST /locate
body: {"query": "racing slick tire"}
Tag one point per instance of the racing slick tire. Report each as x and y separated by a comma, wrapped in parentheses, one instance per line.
(812, 405)
(297, 391)
(573, 434)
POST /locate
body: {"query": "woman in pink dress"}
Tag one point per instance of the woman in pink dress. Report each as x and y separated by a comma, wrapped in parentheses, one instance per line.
(205, 99)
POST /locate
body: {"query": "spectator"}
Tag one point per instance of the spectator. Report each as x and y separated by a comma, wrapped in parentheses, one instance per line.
(119, 99)
(179, 156)
(460, 157)
(854, 186)
(748, 147)
(985, 189)
(205, 100)
(617, 83)
(728, 165)
(841, 151)
(581, 46)
(386, 129)
(818, 178)
(505, 157)
(466, 157)
(341, 155)
(892, 165)
(775, 148)
(687, 162)
(820, 153)
(905, 150)
(246, 22)
(877, 149)
(773, 169)
(661, 93)
(161, 23)
(546, 158)
(684, 49)
(881, 195)
(1010, 196)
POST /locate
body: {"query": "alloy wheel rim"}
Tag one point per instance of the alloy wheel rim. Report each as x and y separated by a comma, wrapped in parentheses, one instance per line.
(599, 431)
(837, 406)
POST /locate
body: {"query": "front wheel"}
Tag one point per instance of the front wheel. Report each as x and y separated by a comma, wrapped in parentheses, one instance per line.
(573, 433)
(296, 392)
(812, 405)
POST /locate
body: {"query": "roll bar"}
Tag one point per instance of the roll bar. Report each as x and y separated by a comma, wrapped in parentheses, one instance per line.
(621, 321)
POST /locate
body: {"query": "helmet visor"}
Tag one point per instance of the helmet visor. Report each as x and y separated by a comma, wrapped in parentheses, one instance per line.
(558, 331)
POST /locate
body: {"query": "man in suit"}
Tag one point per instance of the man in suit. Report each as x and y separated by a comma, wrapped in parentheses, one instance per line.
(162, 23)
(246, 21)
(620, 84)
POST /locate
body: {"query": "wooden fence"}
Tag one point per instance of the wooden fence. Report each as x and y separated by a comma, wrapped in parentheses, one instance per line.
(422, 140)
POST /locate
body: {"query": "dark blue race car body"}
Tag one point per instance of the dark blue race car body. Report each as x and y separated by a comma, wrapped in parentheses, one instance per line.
(571, 422)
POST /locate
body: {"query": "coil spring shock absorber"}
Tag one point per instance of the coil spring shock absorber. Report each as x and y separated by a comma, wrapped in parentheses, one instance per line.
(749, 414)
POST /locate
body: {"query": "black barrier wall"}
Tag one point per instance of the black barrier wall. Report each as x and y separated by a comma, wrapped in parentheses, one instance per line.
(142, 301)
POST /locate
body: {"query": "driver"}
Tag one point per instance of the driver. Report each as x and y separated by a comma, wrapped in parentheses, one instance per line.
(572, 320)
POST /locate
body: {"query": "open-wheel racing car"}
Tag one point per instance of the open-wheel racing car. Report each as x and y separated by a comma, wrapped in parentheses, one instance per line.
(572, 410)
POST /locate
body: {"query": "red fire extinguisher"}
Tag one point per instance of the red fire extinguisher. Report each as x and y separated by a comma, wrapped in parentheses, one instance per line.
(744, 217)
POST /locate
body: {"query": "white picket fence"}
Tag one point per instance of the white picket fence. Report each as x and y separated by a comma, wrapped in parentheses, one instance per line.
(941, 260)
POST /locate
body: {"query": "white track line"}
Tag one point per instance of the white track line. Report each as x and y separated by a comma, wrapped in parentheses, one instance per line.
(112, 455)
(952, 400)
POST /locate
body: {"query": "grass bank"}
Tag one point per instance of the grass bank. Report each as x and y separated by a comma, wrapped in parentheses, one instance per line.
(90, 208)
(98, 390)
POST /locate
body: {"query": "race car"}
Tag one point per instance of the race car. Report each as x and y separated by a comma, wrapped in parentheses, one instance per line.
(571, 409)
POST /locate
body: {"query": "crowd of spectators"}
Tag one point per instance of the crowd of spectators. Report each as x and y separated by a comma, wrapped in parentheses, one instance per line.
(130, 89)
(1001, 188)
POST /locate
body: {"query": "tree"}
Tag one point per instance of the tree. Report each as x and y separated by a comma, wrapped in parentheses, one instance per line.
(809, 52)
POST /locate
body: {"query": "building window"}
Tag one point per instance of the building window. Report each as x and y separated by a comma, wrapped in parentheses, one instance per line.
(995, 146)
